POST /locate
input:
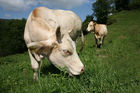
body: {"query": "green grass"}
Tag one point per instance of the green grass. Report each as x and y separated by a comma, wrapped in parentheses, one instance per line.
(115, 68)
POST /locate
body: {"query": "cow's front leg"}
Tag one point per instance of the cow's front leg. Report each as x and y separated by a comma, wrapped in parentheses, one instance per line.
(96, 41)
(35, 60)
(101, 41)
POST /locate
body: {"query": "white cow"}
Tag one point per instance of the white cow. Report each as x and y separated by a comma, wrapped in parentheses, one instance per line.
(52, 34)
(100, 31)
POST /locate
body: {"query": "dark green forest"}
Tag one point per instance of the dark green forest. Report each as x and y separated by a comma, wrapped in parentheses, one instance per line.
(11, 36)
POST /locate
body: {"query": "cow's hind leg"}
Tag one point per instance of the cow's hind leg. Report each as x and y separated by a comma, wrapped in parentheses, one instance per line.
(101, 41)
(35, 64)
(97, 42)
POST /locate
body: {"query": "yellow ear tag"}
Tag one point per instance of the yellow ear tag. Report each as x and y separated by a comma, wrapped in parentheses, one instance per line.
(32, 48)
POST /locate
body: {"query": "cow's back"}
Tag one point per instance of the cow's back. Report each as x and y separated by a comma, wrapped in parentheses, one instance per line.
(69, 22)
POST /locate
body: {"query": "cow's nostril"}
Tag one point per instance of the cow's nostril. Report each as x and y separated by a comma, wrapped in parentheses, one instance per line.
(82, 70)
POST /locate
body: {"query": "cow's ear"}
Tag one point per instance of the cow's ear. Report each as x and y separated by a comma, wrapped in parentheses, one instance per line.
(34, 45)
(58, 35)
(94, 23)
(42, 47)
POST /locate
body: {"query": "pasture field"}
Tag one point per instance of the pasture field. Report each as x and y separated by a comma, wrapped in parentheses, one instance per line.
(115, 68)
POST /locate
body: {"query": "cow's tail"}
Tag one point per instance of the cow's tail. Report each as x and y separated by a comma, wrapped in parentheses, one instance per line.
(82, 41)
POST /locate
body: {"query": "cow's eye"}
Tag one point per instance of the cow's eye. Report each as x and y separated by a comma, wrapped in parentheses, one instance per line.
(67, 52)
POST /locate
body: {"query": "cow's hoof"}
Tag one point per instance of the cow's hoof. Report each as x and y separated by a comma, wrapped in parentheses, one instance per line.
(35, 77)
(99, 46)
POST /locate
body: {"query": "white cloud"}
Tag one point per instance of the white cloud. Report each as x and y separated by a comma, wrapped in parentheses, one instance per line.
(7, 15)
(67, 4)
(17, 5)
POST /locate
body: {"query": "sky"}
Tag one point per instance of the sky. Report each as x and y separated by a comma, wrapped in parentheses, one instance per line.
(18, 9)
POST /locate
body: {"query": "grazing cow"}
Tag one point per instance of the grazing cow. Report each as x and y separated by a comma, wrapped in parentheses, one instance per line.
(52, 34)
(100, 31)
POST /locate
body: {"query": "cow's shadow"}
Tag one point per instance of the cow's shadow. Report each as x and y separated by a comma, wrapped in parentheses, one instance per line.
(50, 69)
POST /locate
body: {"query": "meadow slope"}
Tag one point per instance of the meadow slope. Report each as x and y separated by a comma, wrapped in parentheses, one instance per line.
(115, 68)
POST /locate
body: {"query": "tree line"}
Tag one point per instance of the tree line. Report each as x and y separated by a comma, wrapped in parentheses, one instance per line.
(11, 36)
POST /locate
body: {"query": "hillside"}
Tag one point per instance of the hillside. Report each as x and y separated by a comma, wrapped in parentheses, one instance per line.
(115, 68)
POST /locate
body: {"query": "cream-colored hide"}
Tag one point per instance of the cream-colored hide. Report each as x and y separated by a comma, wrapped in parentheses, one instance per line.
(100, 31)
(52, 34)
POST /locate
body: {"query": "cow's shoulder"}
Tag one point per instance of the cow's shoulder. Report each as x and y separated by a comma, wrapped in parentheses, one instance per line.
(97, 27)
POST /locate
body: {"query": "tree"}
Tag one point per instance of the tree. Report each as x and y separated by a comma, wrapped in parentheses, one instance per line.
(101, 9)
(121, 4)
(85, 23)
(11, 36)
(134, 4)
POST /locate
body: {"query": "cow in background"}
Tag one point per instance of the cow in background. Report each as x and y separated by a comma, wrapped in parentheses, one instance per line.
(99, 30)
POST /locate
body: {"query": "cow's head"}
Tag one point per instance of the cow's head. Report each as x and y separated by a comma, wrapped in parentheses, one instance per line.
(91, 26)
(61, 51)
